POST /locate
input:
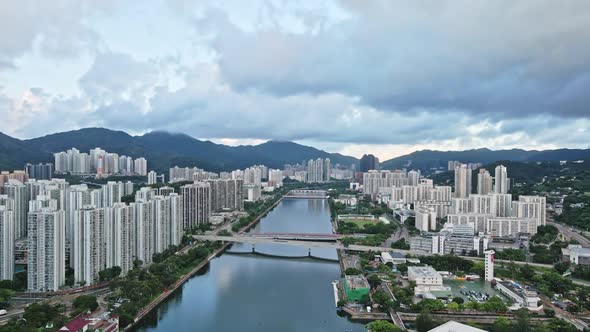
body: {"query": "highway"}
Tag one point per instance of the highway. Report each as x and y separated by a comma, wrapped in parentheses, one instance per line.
(570, 234)
(337, 245)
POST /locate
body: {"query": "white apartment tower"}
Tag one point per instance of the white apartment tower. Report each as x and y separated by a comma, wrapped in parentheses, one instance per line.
(47, 250)
(197, 204)
(484, 182)
(17, 191)
(119, 237)
(462, 181)
(88, 252)
(501, 180)
(6, 243)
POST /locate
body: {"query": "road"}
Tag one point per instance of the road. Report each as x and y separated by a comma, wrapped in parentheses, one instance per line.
(568, 233)
(562, 314)
(338, 245)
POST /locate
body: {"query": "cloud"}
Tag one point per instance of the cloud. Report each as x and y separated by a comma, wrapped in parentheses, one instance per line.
(494, 59)
(55, 28)
(347, 76)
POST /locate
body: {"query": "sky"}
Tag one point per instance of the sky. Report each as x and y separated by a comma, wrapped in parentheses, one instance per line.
(351, 76)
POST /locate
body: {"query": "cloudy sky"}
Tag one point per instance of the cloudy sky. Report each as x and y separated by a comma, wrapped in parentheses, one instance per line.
(350, 76)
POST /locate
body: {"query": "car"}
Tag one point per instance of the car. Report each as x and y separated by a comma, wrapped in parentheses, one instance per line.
(3, 312)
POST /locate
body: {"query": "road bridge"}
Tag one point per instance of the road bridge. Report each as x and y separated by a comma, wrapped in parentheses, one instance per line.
(307, 193)
(255, 239)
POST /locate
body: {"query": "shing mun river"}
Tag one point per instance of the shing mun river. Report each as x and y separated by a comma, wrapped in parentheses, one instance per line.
(244, 292)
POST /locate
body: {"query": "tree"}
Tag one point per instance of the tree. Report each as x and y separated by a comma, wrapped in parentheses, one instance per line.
(494, 304)
(454, 306)
(374, 280)
(401, 244)
(430, 305)
(527, 272)
(561, 267)
(383, 326)
(501, 325)
(85, 302)
(424, 322)
(381, 298)
(458, 299)
(549, 312)
(522, 320)
(559, 325)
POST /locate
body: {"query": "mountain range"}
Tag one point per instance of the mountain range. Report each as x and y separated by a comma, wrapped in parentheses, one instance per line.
(164, 150)
(426, 160)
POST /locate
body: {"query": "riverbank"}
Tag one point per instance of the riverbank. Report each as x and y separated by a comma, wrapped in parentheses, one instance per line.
(168, 292)
(158, 300)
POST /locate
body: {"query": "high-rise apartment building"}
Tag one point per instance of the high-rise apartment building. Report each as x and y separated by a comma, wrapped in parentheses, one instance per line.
(197, 203)
(39, 171)
(462, 181)
(140, 166)
(226, 195)
(6, 242)
(152, 177)
(501, 180)
(318, 170)
(47, 250)
(369, 162)
(17, 191)
(484, 182)
(88, 251)
(119, 237)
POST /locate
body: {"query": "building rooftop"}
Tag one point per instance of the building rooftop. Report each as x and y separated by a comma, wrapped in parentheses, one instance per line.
(423, 271)
(576, 248)
(452, 326)
(355, 282)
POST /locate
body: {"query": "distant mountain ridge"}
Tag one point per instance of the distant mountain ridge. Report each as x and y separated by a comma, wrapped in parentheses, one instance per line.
(165, 149)
(428, 159)
(161, 149)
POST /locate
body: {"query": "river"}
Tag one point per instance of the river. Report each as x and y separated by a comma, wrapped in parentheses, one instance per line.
(240, 291)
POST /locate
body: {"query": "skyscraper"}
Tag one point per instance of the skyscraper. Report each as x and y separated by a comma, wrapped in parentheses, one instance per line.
(39, 171)
(462, 181)
(46, 243)
(369, 162)
(88, 252)
(152, 177)
(197, 204)
(17, 191)
(6, 242)
(501, 180)
(226, 194)
(484, 182)
(119, 237)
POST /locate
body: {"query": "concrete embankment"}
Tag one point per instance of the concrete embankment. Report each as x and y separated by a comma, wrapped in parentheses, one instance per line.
(147, 309)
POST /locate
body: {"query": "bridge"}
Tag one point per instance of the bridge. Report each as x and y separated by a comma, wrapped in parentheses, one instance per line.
(295, 236)
(308, 241)
(307, 193)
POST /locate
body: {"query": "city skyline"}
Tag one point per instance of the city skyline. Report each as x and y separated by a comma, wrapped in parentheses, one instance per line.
(183, 67)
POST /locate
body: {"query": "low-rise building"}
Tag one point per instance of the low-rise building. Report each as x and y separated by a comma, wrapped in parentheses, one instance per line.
(429, 283)
(424, 276)
(576, 254)
(452, 326)
(523, 298)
